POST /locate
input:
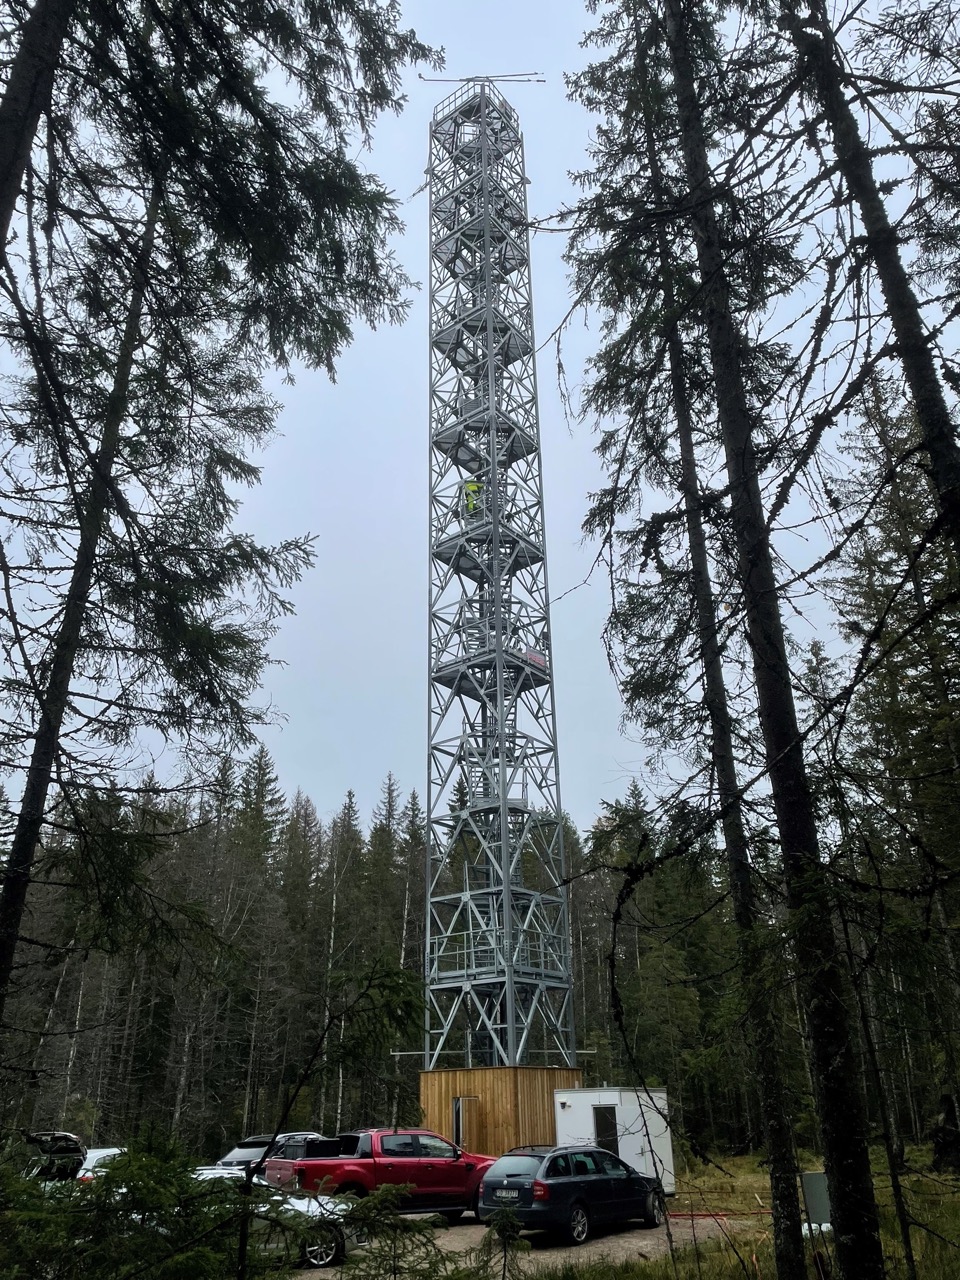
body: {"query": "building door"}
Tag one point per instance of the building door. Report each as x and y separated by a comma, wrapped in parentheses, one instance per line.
(466, 1115)
(605, 1129)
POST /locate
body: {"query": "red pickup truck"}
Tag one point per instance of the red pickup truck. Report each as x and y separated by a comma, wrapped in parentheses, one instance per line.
(443, 1179)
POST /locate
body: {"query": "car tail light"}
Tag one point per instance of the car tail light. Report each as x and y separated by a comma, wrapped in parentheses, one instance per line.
(541, 1191)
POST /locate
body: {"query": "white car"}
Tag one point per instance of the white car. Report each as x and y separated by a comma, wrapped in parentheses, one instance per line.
(323, 1249)
(94, 1161)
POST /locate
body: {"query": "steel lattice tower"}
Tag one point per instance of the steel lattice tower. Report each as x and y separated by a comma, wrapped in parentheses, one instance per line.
(499, 990)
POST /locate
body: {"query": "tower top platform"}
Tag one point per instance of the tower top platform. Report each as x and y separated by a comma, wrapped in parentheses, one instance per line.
(474, 87)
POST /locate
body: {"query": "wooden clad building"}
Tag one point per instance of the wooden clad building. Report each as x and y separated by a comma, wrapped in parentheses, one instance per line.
(487, 1110)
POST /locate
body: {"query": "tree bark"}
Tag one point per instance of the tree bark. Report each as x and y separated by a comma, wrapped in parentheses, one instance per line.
(816, 45)
(27, 96)
(840, 1109)
(56, 691)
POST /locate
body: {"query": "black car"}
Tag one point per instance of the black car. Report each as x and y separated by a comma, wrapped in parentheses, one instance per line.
(247, 1151)
(569, 1189)
(59, 1156)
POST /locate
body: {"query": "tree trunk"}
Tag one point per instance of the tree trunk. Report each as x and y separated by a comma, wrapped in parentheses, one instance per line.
(72, 1055)
(24, 1114)
(128, 1044)
(331, 938)
(27, 96)
(842, 1122)
(252, 1090)
(816, 45)
(56, 691)
(338, 1118)
(892, 1141)
(183, 1077)
(398, 1074)
(764, 1040)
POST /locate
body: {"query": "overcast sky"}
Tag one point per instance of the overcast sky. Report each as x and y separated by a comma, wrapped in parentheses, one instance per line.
(352, 468)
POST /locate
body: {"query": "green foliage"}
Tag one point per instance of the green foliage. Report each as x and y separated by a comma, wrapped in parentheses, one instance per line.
(500, 1253)
(401, 1247)
(183, 225)
(145, 1214)
(404, 1247)
(674, 965)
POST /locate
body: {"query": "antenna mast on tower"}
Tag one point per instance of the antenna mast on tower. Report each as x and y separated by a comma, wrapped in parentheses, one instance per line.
(498, 974)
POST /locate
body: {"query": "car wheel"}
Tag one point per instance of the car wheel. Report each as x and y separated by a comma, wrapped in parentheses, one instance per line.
(578, 1224)
(325, 1251)
(475, 1207)
(453, 1215)
(653, 1214)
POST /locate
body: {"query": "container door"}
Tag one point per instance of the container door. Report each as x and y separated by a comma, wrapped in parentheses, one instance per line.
(605, 1129)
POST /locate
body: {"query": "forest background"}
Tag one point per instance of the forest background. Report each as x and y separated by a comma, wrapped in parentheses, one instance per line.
(767, 236)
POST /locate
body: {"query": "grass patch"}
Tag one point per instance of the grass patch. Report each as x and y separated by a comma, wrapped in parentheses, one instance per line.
(739, 1190)
(713, 1260)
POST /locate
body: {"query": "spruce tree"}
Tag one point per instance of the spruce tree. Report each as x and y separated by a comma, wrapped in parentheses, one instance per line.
(718, 285)
(180, 227)
(634, 258)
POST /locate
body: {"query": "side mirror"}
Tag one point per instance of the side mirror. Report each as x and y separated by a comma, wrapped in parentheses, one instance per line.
(458, 1154)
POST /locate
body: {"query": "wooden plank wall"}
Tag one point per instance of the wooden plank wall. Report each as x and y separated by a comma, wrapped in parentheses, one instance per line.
(514, 1104)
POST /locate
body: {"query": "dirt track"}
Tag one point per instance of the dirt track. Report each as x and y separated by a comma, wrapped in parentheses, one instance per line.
(618, 1244)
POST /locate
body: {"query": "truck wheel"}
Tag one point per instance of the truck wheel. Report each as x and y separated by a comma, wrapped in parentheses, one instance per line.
(578, 1224)
(653, 1209)
(325, 1251)
(350, 1189)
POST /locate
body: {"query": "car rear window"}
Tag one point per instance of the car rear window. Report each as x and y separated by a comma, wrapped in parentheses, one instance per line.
(515, 1167)
(244, 1152)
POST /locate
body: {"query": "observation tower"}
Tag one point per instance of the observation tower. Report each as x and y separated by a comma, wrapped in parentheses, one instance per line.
(498, 973)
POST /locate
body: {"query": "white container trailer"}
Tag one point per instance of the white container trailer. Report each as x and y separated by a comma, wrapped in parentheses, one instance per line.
(632, 1123)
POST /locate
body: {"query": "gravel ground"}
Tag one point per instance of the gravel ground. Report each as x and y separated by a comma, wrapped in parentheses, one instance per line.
(616, 1243)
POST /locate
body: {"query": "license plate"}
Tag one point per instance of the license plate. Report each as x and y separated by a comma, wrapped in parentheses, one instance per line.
(503, 1193)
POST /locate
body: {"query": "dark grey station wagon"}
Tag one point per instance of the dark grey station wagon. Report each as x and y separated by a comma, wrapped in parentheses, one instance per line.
(569, 1189)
